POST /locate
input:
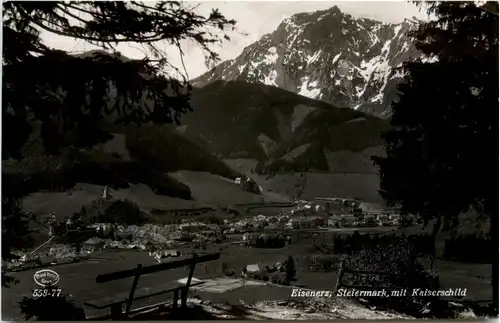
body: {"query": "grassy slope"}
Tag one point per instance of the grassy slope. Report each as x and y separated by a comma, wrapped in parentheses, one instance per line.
(150, 153)
(154, 151)
(332, 130)
(163, 149)
(228, 117)
(60, 173)
(215, 190)
(363, 186)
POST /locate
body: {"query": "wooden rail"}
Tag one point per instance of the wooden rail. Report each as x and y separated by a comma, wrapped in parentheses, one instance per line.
(154, 268)
(115, 303)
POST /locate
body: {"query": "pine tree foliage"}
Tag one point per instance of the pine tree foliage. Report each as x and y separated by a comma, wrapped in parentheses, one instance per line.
(290, 269)
(70, 94)
(15, 229)
(60, 308)
(442, 150)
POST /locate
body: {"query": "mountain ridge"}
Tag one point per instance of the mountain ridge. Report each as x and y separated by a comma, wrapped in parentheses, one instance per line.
(283, 130)
(328, 55)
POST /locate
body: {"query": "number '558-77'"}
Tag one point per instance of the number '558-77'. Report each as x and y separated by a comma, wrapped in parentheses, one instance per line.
(47, 292)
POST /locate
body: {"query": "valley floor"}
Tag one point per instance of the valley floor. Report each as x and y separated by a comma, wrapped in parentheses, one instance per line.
(78, 279)
(361, 186)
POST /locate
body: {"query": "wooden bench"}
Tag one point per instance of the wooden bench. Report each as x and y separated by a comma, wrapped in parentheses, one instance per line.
(115, 303)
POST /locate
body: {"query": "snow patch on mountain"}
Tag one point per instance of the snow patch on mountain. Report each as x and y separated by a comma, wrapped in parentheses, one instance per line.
(313, 58)
(335, 59)
(309, 89)
(270, 79)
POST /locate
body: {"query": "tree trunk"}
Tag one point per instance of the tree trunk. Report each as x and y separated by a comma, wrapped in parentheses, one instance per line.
(494, 265)
(304, 181)
(492, 211)
(435, 232)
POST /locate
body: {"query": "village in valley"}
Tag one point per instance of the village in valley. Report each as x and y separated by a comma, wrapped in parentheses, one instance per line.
(256, 241)
(329, 164)
(278, 225)
(265, 248)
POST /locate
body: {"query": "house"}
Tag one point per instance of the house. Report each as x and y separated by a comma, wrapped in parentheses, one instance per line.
(335, 220)
(370, 220)
(260, 218)
(212, 227)
(148, 245)
(347, 220)
(336, 205)
(53, 228)
(252, 268)
(305, 223)
(105, 193)
(383, 219)
(70, 225)
(357, 211)
(190, 227)
(394, 219)
(300, 223)
(250, 185)
(302, 212)
(250, 238)
(194, 281)
(318, 222)
(171, 253)
(406, 220)
(123, 235)
(161, 254)
(105, 230)
(93, 244)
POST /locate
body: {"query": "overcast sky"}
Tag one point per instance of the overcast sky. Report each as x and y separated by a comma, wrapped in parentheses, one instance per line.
(256, 18)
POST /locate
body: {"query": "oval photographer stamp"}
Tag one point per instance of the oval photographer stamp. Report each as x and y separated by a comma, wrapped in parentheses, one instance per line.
(46, 278)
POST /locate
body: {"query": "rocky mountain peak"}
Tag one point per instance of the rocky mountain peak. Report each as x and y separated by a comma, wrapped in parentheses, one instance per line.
(327, 55)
